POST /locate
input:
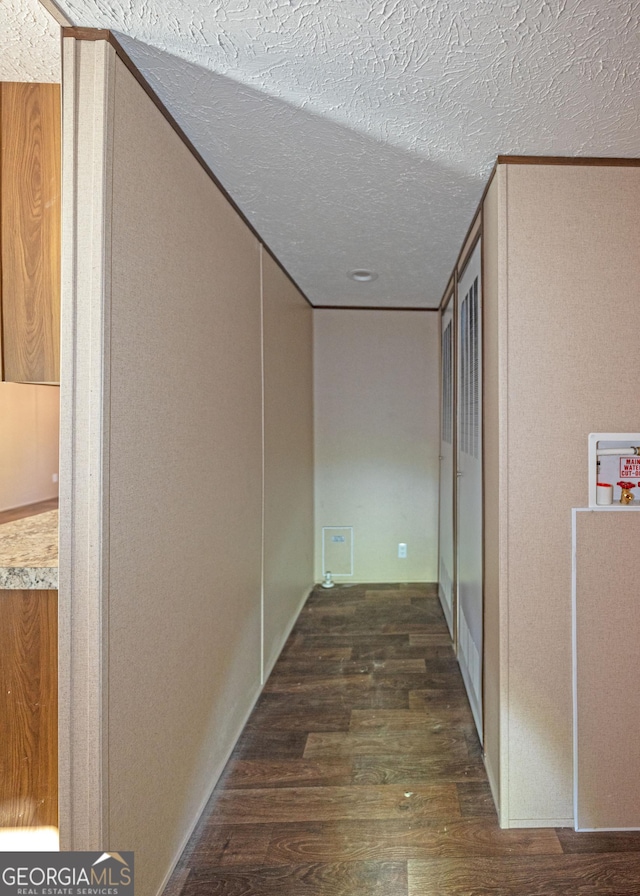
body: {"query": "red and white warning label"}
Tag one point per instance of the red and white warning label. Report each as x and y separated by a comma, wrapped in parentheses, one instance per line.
(630, 467)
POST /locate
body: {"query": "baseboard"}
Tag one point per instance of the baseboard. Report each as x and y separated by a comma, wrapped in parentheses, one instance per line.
(269, 669)
(467, 678)
(520, 822)
(361, 584)
(446, 609)
(540, 823)
(493, 784)
(14, 508)
(221, 765)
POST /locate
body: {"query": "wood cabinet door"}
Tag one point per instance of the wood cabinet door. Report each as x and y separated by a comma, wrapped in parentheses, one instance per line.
(30, 184)
(29, 709)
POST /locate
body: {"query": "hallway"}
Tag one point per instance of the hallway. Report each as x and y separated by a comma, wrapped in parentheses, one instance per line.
(359, 773)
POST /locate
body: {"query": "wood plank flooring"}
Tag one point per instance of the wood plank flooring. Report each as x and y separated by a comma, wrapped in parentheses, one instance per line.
(359, 773)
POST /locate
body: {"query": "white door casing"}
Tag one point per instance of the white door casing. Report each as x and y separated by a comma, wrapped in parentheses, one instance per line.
(445, 525)
(469, 483)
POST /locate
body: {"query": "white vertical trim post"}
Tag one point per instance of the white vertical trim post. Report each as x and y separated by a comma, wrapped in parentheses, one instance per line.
(574, 664)
(263, 675)
(88, 79)
(502, 171)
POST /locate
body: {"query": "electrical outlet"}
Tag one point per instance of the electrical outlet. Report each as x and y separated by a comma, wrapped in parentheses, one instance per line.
(54, 477)
(402, 551)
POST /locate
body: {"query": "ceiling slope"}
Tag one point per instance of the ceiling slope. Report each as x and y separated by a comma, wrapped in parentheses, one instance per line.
(360, 133)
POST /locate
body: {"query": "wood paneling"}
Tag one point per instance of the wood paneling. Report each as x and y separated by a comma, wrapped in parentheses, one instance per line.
(30, 229)
(28, 708)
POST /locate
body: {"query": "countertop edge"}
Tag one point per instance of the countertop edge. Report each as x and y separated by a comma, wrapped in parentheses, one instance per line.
(29, 578)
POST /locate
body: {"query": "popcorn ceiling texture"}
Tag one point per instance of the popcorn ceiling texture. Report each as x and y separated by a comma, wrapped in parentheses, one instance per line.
(29, 42)
(360, 133)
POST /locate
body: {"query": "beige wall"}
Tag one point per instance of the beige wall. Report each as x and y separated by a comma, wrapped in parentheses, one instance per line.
(607, 616)
(185, 484)
(288, 455)
(377, 439)
(29, 426)
(568, 288)
(181, 457)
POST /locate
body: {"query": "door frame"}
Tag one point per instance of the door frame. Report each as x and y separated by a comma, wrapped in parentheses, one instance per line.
(472, 244)
(450, 302)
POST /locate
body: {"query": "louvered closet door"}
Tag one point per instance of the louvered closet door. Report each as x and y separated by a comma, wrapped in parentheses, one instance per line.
(469, 478)
(445, 541)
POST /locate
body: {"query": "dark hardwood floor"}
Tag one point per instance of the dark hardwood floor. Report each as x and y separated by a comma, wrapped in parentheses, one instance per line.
(359, 773)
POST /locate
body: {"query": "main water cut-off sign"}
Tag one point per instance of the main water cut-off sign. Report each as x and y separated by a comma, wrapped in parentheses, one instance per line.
(630, 467)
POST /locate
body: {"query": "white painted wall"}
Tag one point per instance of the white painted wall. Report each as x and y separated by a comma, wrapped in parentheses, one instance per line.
(29, 428)
(377, 439)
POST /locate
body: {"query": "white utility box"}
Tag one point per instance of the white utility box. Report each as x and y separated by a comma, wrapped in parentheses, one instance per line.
(613, 457)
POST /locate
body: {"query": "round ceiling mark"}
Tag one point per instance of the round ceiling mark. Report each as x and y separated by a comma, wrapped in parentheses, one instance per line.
(361, 275)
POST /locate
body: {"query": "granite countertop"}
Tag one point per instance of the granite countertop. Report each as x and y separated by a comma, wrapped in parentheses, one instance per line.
(29, 552)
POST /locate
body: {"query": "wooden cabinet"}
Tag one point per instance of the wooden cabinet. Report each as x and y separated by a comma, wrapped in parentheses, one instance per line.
(29, 708)
(30, 231)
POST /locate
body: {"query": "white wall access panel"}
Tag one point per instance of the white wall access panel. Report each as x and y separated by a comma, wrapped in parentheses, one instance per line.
(337, 550)
(613, 457)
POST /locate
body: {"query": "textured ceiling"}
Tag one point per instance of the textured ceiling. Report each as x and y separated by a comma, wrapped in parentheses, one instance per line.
(29, 42)
(360, 133)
